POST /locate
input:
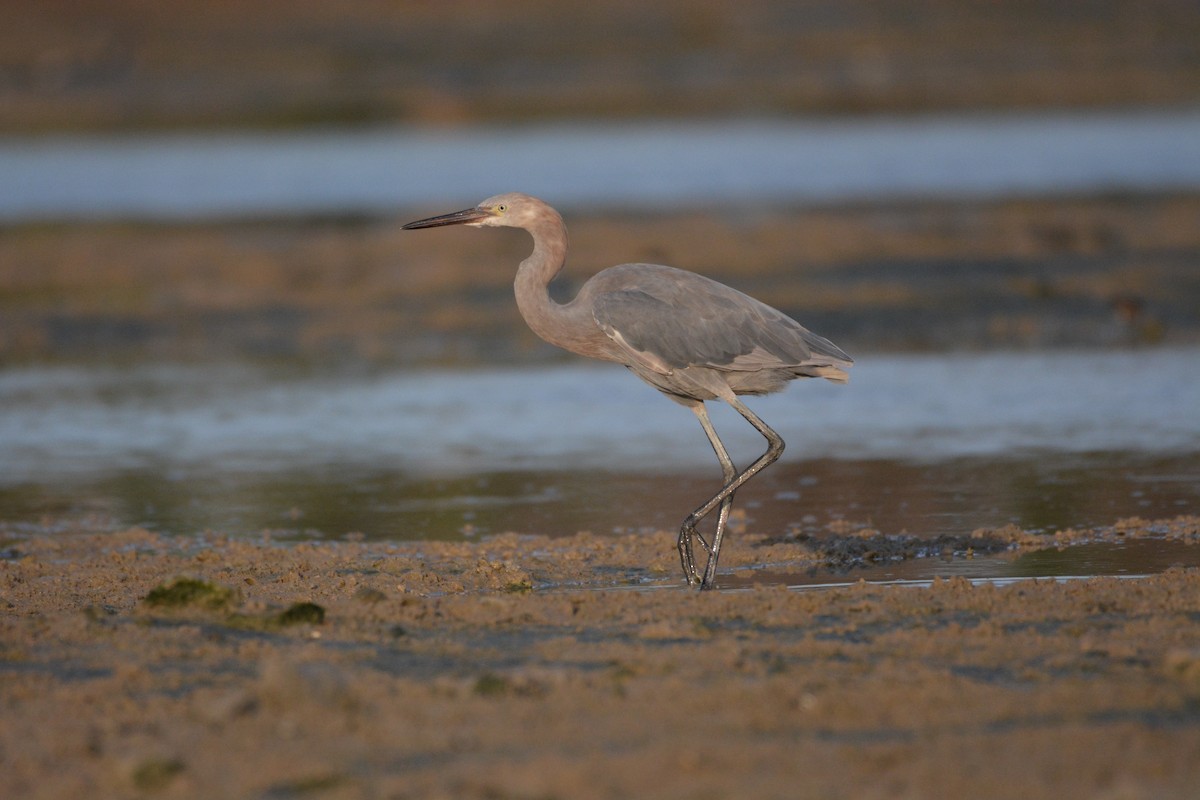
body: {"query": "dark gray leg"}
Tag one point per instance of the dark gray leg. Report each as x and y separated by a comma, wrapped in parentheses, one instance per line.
(774, 450)
(687, 532)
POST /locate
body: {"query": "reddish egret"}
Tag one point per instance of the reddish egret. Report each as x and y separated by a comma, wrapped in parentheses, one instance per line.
(690, 337)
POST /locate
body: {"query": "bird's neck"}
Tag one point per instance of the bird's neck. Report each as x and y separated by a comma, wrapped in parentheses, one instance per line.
(552, 321)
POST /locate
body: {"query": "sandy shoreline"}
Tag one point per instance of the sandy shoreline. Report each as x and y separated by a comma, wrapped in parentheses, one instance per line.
(127, 64)
(1013, 273)
(518, 667)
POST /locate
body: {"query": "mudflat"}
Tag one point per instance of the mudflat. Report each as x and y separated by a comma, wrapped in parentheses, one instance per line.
(134, 64)
(139, 664)
(937, 275)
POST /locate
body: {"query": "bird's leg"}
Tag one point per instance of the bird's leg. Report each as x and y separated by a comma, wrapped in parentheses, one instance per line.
(688, 530)
(774, 450)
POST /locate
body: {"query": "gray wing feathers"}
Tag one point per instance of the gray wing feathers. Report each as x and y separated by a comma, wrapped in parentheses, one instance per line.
(670, 319)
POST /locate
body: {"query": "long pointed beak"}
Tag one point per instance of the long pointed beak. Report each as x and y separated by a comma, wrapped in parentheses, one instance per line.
(464, 217)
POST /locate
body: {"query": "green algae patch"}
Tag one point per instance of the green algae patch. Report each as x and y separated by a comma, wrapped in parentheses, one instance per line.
(156, 774)
(189, 592)
(524, 586)
(302, 614)
(307, 786)
(490, 684)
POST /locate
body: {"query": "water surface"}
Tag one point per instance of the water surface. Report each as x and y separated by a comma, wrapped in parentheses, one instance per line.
(924, 444)
(635, 165)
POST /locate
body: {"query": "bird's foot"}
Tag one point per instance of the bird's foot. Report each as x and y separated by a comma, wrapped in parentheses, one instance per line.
(687, 557)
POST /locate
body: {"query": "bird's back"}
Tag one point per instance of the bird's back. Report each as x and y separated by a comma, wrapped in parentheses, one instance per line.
(666, 320)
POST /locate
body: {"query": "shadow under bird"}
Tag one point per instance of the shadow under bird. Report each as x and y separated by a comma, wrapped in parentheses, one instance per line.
(690, 337)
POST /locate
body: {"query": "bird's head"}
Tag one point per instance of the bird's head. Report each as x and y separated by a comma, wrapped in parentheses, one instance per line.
(513, 210)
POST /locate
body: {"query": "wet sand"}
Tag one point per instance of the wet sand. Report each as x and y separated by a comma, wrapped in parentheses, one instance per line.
(528, 667)
(349, 293)
(132, 64)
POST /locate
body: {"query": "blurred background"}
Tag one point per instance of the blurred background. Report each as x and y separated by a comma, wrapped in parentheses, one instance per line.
(199, 243)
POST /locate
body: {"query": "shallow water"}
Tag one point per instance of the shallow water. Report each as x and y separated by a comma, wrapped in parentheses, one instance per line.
(1128, 559)
(634, 165)
(923, 444)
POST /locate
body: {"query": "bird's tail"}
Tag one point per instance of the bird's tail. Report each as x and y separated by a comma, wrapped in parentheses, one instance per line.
(828, 372)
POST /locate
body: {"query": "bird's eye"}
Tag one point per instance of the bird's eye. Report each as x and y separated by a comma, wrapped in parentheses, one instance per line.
(502, 208)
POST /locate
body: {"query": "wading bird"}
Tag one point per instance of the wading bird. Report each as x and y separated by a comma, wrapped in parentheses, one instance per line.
(690, 337)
